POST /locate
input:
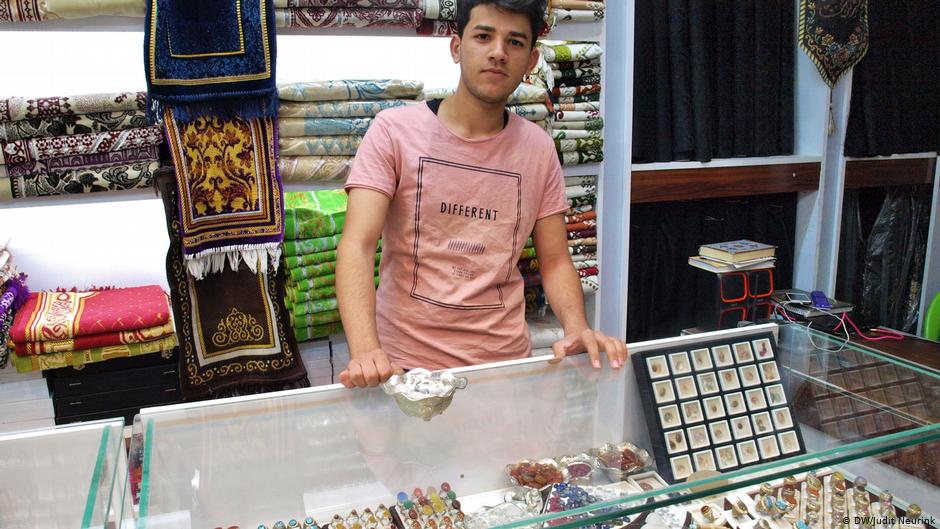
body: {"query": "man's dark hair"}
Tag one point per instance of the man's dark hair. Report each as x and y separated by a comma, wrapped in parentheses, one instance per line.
(534, 9)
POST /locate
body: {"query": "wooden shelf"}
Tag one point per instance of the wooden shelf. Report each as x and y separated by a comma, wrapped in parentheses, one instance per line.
(889, 172)
(715, 182)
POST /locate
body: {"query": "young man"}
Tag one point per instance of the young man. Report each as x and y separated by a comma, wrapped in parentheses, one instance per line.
(455, 189)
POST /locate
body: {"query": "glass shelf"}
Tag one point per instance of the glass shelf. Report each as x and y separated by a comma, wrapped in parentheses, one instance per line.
(315, 452)
(62, 477)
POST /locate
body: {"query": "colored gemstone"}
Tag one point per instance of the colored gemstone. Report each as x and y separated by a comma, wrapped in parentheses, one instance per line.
(451, 494)
(445, 486)
(402, 497)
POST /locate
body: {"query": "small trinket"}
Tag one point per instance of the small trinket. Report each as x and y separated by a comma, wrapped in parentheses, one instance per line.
(766, 489)
(860, 484)
(765, 505)
(709, 513)
(914, 511)
(739, 509)
(837, 482)
(293, 524)
(279, 525)
(813, 485)
(310, 523)
(781, 507)
(763, 524)
(800, 524)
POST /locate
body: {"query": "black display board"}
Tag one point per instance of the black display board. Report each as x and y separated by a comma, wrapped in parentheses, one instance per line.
(718, 404)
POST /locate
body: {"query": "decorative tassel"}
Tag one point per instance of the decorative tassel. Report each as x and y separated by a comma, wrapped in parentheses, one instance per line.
(264, 104)
(215, 260)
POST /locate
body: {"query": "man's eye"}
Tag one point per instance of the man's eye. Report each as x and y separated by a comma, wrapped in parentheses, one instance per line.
(516, 42)
(483, 36)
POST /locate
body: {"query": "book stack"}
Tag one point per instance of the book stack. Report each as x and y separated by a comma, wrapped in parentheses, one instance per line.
(734, 256)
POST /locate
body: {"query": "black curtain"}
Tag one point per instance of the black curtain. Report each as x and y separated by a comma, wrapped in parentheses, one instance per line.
(713, 79)
(882, 254)
(664, 290)
(896, 87)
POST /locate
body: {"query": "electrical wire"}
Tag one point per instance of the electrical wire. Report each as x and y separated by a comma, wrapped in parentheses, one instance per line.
(781, 308)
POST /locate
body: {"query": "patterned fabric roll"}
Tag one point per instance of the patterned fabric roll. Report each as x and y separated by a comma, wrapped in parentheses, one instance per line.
(311, 245)
(320, 146)
(582, 234)
(578, 15)
(312, 214)
(576, 72)
(76, 359)
(319, 318)
(95, 122)
(525, 93)
(350, 90)
(306, 168)
(568, 65)
(35, 149)
(580, 80)
(575, 134)
(347, 17)
(580, 157)
(401, 4)
(578, 191)
(581, 98)
(340, 109)
(585, 145)
(578, 107)
(589, 124)
(440, 9)
(315, 306)
(20, 108)
(581, 5)
(531, 111)
(120, 177)
(327, 291)
(81, 161)
(437, 28)
(299, 127)
(315, 332)
(567, 91)
(573, 51)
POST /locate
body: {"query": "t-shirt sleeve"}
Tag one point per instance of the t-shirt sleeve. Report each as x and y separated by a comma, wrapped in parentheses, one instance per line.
(554, 200)
(374, 166)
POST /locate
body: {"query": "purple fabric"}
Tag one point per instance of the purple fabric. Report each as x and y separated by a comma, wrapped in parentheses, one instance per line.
(15, 293)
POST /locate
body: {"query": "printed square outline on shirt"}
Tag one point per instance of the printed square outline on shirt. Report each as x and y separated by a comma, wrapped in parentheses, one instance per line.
(422, 162)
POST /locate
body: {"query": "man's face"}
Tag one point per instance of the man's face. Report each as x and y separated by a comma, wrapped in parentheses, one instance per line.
(494, 53)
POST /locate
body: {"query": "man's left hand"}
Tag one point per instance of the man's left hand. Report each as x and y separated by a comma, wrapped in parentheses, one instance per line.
(593, 342)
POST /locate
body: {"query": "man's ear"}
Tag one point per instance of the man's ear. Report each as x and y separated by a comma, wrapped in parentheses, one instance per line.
(534, 58)
(455, 48)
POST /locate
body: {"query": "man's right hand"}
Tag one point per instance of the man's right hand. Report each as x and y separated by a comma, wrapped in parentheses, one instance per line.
(368, 369)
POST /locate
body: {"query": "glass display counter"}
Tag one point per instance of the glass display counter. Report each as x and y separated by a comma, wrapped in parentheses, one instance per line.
(63, 477)
(352, 459)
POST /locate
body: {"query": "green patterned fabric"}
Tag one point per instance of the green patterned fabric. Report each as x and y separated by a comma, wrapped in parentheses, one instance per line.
(319, 318)
(328, 291)
(590, 124)
(315, 332)
(311, 214)
(297, 289)
(317, 270)
(298, 261)
(312, 245)
(575, 134)
(585, 145)
(315, 306)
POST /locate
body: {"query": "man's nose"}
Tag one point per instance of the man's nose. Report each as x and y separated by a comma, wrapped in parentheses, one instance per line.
(498, 50)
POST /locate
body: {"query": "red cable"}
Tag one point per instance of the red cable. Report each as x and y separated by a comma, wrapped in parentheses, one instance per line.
(888, 335)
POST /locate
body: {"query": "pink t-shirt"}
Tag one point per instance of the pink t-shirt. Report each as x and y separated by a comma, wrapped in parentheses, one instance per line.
(450, 293)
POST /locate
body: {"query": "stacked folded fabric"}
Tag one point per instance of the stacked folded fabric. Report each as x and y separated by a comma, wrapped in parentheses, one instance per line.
(530, 102)
(565, 11)
(321, 123)
(313, 225)
(16, 11)
(349, 13)
(62, 329)
(13, 293)
(581, 226)
(76, 144)
(575, 82)
(440, 18)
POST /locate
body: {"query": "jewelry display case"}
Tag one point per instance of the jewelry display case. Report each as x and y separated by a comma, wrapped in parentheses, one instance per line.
(64, 477)
(578, 437)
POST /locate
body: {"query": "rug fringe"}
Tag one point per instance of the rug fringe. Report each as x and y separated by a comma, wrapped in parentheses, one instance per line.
(215, 260)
